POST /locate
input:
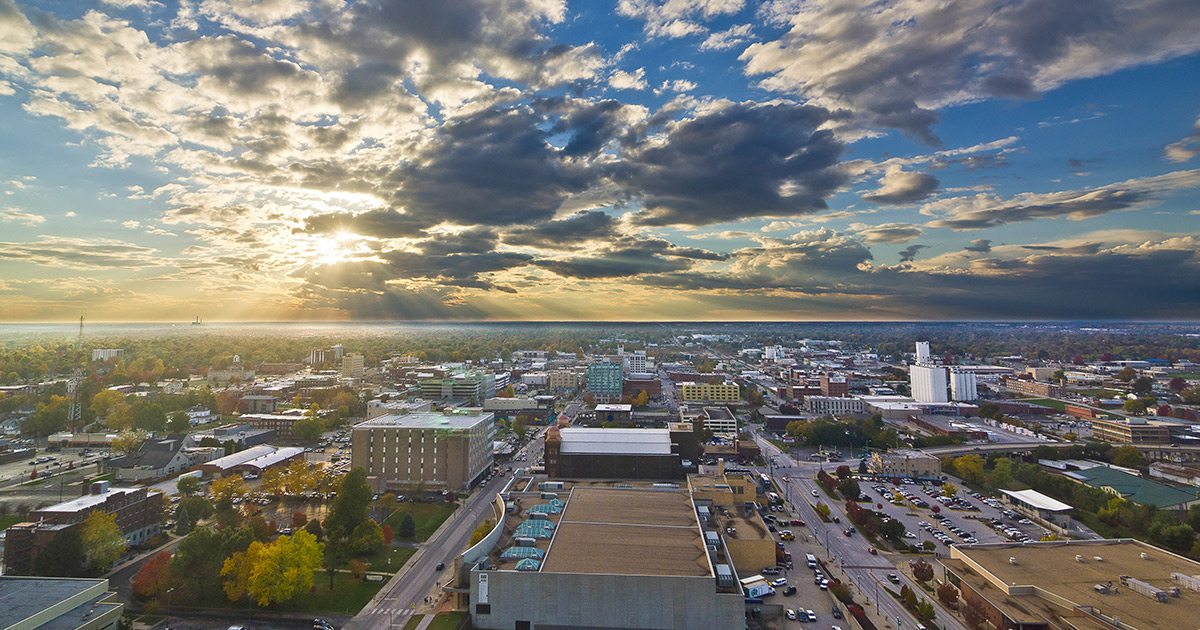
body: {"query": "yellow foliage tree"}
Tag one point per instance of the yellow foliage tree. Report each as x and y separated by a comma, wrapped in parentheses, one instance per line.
(273, 573)
(103, 542)
(228, 488)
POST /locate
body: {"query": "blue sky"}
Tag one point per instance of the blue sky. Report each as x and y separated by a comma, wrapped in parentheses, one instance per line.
(636, 159)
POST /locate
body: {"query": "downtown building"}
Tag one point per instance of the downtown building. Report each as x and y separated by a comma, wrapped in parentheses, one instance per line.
(605, 381)
(427, 450)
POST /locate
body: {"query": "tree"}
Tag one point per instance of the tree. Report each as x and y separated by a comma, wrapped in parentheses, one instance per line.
(849, 488)
(1127, 374)
(388, 535)
(974, 611)
(308, 429)
(178, 423)
(299, 519)
(358, 570)
(275, 572)
(1143, 385)
(227, 488)
(1135, 406)
(842, 472)
(187, 486)
(110, 405)
(948, 595)
(366, 539)
(1177, 384)
(63, 556)
(822, 511)
(1128, 456)
(969, 467)
(408, 527)
(127, 442)
(314, 527)
(925, 611)
(480, 532)
(102, 540)
(949, 489)
(1191, 395)
(350, 506)
(519, 427)
(922, 570)
(148, 416)
(908, 597)
(388, 503)
(154, 577)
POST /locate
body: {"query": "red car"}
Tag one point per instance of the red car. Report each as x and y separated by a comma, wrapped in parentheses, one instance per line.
(797, 522)
(871, 550)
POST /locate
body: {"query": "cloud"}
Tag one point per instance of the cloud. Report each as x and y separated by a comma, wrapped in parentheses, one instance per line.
(979, 246)
(80, 253)
(1185, 149)
(729, 38)
(886, 232)
(988, 210)
(566, 233)
(909, 253)
(899, 187)
(676, 18)
(895, 63)
(732, 162)
(12, 215)
(623, 80)
(678, 85)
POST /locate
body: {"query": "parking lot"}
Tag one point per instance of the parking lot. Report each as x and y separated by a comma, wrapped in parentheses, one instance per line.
(802, 589)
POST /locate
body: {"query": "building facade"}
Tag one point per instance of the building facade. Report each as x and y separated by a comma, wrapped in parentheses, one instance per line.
(928, 383)
(833, 406)
(444, 451)
(727, 392)
(905, 463)
(604, 381)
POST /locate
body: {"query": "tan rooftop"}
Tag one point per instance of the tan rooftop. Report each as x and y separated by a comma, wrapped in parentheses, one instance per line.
(1051, 570)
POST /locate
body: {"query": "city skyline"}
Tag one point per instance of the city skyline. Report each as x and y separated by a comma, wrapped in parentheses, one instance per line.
(542, 160)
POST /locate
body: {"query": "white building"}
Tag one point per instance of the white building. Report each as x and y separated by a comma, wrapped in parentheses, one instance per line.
(928, 383)
(964, 386)
(923, 353)
(107, 354)
(353, 366)
(536, 379)
(635, 362)
(834, 405)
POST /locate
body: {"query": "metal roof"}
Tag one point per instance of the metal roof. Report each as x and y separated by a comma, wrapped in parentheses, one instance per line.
(615, 441)
(1038, 500)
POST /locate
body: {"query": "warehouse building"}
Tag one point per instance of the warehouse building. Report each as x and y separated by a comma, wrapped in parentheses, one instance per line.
(449, 450)
(579, 452)
(1093, 584)
(563, 557)
(255, 460)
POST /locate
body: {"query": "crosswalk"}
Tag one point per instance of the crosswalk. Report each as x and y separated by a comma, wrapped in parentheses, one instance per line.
(394, 611)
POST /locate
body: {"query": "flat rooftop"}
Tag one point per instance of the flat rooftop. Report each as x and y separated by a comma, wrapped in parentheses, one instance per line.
(1052, 567)
(628, 532)
(23, 597)
(1038, 500)
(88, 501)
(426, 420)
(615, 441)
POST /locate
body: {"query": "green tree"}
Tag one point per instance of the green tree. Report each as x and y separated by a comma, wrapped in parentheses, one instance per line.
(822, 511)
(148, 416)
(103, 543)
(1127, 374)
(187, 486)
(970, 468)
(1135, 406)
(178, 423)
(127, 442)
(366, 539)
(1128, 456)
(408, 527)
(925, 611)
(63, 556)
(314, 527)
(849, 488)
(350, 507)
(308, 429)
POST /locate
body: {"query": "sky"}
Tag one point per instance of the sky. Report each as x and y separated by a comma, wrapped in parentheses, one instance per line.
(599, 160)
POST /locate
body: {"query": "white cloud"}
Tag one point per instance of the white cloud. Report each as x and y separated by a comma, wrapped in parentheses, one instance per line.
(729, 38)
(12, 215)
(623, 80)
(1185, 149)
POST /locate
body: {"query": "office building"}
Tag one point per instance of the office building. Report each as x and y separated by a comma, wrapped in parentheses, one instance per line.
(833, 406)
(353, 366)
(635, 361)
(377, 407)
(834, 385)
(1084, 585)
(562, 381)
(727, 392)
(599, 556)
(138, 513)
(964, 385)
(901, 463)
(1132, 430)
(258, 403)
(604, 381)
(923, 357)
(58, 604)
(1031, 389)
(468, 386)
(107, 354)
(442, 451)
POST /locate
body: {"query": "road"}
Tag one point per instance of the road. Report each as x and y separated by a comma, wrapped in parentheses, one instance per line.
(400, 598)
(866, 572)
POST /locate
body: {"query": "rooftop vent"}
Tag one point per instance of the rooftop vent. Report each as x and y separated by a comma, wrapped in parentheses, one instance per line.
(1078, 558)
(1012, 560)
(1098, 558)
(1144, 555)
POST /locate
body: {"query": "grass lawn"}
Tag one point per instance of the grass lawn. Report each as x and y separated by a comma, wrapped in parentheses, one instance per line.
(427, 516)
(413, 623)
(448, 621)
(1046, 402)
(9, 520)
(378, 562)
(347, 597)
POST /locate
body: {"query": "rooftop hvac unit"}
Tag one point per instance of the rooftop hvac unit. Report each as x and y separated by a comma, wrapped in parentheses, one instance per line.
(549, 495)
(1187, 581)
(1012, 559)
(538, 516)
(524, 541)
(1144, 555)
(1078, 558)
(1145, 588)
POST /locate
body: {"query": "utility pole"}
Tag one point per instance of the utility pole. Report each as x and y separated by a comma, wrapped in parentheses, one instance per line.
(75, 411)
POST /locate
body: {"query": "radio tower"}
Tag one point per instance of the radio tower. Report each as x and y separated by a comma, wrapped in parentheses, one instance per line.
(75, 411)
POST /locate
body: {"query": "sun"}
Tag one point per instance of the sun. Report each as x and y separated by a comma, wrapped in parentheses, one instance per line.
(334, 248)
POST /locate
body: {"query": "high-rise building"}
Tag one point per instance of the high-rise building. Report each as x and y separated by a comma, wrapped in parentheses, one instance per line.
(604, 381)
(834, 385)
(353, 366)
(446, 451)
(727, 392)
(928, 383)
(922, 353)
(635, 362)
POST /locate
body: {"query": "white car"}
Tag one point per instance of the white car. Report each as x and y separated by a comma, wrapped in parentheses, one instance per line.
(779, 582)
(791, 614)
(812, 616)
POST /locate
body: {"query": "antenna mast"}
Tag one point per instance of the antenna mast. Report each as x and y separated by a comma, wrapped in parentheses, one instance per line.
(75, 411)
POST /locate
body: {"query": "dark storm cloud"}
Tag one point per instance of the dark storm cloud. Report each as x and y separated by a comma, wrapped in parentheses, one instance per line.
(591, 125)
(979, 246)
(909, 253)
(493, 167)
(619, 263)
(379, 223)
(564, 233)
(741, 161)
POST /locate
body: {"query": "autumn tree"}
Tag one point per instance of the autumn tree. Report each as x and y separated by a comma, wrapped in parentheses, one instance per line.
(948, 595)
(273, 573)
(922, 570)
(187, 486)
(1128, 456)
(127, 442)
(103, 543)
(388, 535)
(358, 570)
(229, 487)
(974, 611)
(349, 508)
(153, 579)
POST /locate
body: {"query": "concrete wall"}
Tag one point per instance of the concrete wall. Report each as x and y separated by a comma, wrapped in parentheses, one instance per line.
(557, 600)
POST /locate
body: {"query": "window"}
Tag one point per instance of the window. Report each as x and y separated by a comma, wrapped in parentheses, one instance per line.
(483, 609)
